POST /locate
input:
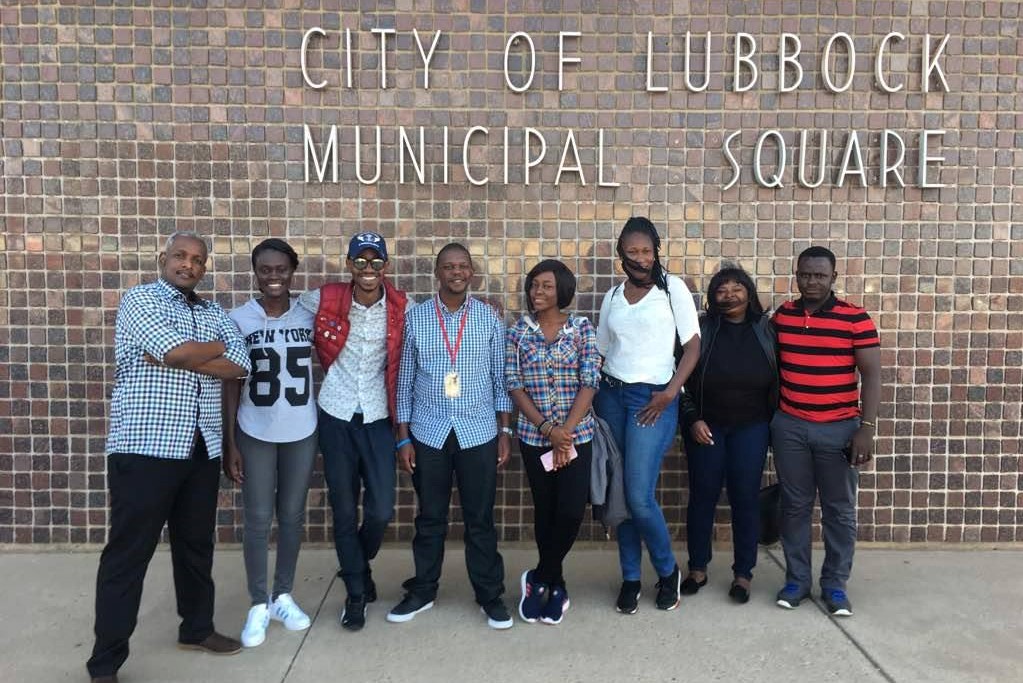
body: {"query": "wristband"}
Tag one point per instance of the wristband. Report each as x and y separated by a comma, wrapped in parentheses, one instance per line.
(864, 423)
(401, 444)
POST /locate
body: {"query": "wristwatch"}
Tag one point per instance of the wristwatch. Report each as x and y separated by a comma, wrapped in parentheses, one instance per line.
(508, 430)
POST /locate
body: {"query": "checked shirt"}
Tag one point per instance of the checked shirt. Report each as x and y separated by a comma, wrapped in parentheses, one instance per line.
(552, 374)
(156, 410)
(480, 365)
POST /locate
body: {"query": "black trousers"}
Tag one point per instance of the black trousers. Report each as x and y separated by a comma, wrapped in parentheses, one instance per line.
(146, 493)
(559, 504)
(476, 471)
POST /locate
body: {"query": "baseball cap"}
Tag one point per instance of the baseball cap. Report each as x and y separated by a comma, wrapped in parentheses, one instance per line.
(367, 240)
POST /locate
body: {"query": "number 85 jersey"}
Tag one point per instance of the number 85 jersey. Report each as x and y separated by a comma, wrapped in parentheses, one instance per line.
(277, 403)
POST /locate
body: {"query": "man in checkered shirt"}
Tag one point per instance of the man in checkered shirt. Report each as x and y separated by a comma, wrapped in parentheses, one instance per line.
(454, 419)
(172, 349)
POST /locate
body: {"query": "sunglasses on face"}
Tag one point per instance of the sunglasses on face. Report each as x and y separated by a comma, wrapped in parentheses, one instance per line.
(376, 264)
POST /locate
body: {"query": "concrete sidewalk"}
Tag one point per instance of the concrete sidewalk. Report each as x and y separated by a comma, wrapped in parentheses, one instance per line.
(921, 615)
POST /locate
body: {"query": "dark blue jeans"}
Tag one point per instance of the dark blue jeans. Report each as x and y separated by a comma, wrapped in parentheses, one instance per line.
(736, 460)
(357, 455)
(643, 449)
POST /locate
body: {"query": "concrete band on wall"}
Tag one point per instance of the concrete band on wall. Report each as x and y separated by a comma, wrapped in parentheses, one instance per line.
(125, 122)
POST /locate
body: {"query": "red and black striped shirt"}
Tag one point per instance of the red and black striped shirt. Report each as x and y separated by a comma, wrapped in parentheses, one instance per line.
(816, 358)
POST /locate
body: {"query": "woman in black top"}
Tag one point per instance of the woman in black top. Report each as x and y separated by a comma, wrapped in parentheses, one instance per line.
(727, 407)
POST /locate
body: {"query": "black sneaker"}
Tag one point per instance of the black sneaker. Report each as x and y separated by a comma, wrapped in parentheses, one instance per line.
(837, 603)
(370, 590)
(498, 616)
(408, 608)
(353, 617)
(790, 596)
(628, 597)
(668, 589)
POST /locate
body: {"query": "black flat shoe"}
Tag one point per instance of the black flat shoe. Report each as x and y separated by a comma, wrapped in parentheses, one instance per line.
(691, 586)
(739, 593)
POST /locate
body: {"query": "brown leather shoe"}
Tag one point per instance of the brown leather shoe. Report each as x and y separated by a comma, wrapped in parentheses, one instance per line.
(112, 678)
(215, 644)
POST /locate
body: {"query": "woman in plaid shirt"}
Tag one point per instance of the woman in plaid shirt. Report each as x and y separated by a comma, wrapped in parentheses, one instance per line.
(552, 373)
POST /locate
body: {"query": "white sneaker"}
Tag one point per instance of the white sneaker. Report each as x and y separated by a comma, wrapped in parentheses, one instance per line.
(284, 610)
(254, 632)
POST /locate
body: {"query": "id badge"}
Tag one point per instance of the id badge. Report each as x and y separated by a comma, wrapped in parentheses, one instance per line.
(452, 385)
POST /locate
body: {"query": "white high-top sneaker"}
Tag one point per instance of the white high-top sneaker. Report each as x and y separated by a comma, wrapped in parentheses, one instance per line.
(284, 610)
(254, 632)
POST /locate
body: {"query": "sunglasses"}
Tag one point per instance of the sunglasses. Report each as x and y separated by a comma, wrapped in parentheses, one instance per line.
(376, 264)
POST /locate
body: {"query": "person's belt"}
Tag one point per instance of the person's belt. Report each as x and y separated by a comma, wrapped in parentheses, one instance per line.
(612, 381)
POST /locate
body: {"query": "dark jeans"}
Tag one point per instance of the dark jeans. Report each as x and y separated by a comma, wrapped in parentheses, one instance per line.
(476, 471)
(356, 455)
(809, 460)
(145, 493)
(736, 460)
(559, 503)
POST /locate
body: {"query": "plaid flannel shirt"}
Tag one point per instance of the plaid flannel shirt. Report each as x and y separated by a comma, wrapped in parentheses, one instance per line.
(552, 374)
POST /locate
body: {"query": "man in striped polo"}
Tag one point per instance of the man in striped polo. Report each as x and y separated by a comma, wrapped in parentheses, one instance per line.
(824, 428)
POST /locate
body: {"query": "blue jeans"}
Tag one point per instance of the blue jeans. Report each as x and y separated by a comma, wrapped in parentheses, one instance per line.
(737, 460)
(643, 451)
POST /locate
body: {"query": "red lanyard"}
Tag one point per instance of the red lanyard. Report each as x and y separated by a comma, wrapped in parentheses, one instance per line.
(453, 352)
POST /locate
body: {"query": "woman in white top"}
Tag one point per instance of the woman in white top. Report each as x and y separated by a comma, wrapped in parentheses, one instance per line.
(640, 320)
(270, 435)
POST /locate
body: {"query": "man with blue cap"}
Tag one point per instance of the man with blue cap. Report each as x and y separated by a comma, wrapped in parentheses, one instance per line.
(358, 332)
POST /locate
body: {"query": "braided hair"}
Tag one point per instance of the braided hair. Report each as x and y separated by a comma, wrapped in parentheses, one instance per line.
(642, 226)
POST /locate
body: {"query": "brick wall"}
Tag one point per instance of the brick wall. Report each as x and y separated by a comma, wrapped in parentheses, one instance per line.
(122, 122)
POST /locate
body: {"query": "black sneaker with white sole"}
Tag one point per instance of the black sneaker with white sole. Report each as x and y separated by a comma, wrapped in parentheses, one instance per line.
(668, 590)
(408, 608)
(628, 597)
(837, 602)
(498, 616)
(353, 617)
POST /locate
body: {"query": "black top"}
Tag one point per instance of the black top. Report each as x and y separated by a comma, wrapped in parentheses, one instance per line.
(738, 378)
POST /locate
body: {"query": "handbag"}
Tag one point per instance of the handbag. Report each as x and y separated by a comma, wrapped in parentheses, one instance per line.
(769, 500)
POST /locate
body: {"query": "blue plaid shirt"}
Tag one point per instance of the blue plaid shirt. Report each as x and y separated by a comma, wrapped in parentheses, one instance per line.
(480, 365)
(155, 410)
(552, 374)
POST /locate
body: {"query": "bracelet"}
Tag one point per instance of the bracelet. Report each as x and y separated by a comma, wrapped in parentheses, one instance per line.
(864, 423)
(401, 444)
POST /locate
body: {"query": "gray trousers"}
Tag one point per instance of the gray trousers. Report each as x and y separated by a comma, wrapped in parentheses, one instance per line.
(276, 475)
(809, 460)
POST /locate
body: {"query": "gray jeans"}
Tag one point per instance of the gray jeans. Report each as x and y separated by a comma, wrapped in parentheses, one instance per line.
(809, 460)
(275, 473)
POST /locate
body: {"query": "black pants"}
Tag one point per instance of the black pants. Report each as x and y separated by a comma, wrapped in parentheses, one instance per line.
(476, 470)
(357, 455)
(145, 493)
(559, 503)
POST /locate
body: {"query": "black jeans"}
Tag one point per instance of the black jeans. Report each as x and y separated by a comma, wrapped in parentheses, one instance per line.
(476, 471)
(559, 503)
(736, 459)
(357, 454)
(146, 493)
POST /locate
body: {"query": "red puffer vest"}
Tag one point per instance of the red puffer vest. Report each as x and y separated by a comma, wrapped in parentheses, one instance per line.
(332, 326)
